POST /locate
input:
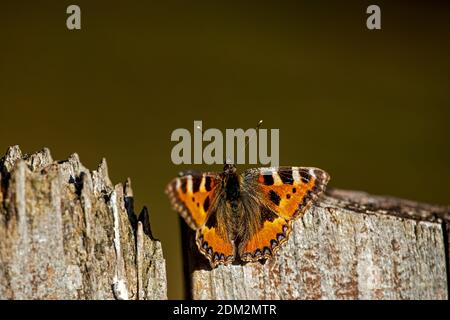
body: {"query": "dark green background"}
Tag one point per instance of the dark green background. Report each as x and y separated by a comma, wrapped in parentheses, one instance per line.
(370, 107)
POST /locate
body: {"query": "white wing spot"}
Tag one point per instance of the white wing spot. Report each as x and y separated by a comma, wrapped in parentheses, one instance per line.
(296, 175)
(202, 184)
(189, 184)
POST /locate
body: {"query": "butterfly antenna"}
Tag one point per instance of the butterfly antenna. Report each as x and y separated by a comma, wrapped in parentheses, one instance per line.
(260, 122)
(200, 128)
(225, 161)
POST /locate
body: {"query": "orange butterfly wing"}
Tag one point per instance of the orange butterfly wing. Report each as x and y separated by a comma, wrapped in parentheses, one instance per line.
(191, 195)
(213, 241)
(284, 194)
(195, 197)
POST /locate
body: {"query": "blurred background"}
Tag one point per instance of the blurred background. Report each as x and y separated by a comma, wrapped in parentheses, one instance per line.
(370, 107)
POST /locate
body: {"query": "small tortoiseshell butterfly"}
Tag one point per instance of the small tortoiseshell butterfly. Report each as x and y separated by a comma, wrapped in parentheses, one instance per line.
(244, 216)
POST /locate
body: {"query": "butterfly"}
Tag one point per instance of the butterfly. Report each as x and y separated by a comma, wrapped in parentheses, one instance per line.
(245, 216)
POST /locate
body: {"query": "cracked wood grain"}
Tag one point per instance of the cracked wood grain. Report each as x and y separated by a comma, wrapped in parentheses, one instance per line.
(69, 233)
(349, 245)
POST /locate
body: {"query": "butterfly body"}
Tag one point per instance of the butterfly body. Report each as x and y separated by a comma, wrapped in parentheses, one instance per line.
(245, 216)
(232, 189)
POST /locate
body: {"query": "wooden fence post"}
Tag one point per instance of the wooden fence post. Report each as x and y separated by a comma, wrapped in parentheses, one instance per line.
(69, 233)
(350, 245)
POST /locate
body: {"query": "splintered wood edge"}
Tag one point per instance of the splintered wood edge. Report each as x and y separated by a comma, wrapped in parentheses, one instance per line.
(14, 166)
(363, 202)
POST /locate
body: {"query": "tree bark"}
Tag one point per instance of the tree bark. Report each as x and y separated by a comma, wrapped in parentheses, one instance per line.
(349, 245)
(69, 233)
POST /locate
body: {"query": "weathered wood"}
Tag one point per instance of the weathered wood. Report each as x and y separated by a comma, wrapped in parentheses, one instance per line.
(349, 245)
(69, 233)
